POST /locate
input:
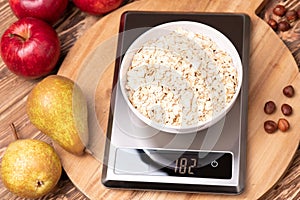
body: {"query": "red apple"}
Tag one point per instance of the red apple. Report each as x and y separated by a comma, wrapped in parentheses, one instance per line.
(97, 7)
(30, 48)
(46, 10)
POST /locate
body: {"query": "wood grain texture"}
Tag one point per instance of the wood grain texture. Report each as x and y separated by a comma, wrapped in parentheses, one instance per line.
(267, 64)
(284, 189)
(291, 37)
(14, 91)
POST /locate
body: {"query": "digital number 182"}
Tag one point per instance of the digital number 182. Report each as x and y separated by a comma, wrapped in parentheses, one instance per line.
(185, 165)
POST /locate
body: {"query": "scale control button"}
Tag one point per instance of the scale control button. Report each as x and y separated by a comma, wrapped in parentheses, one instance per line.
(214, 164)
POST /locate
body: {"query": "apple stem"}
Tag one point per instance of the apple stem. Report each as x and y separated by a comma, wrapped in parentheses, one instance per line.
(18, 36)
(15, 134)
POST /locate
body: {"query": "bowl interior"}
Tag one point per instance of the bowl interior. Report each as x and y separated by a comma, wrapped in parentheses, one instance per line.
(156, 32)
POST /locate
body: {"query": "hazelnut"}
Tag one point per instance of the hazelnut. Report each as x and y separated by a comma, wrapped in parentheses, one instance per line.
(273, 24)
(288, 91)
(291, 15)
(283, 26)
(279, 10)
(270, 126)
(283, 125)
(270, 107)
(286, 109)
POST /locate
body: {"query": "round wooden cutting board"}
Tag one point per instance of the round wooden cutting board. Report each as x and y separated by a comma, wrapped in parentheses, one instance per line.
(91, 63)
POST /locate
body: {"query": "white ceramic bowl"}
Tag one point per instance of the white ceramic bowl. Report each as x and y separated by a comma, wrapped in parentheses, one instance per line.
(222, 42)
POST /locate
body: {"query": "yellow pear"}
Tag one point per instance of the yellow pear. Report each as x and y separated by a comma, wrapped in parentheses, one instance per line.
(58, 108)
(30, 168)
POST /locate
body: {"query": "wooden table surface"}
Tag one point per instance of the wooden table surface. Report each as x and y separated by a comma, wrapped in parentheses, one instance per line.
(14, 91)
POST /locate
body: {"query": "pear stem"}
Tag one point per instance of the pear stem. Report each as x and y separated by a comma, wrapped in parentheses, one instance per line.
(86, 150)
(14, 131)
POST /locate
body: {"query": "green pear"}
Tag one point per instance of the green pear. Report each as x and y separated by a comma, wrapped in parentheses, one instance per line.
(58, 108)
(30, 168)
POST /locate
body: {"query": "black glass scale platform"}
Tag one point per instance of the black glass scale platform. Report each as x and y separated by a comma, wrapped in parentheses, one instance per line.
(211, 160)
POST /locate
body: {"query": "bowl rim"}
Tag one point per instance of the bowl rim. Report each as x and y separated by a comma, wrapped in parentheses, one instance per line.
(204, 30)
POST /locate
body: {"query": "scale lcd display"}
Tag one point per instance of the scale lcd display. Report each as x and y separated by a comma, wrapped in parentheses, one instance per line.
(190, 163)
(154, 162)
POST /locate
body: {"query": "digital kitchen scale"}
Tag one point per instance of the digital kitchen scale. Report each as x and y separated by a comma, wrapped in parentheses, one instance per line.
(138, 156)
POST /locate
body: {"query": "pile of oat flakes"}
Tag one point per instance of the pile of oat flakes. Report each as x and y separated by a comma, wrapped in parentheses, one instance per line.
(181, 79)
